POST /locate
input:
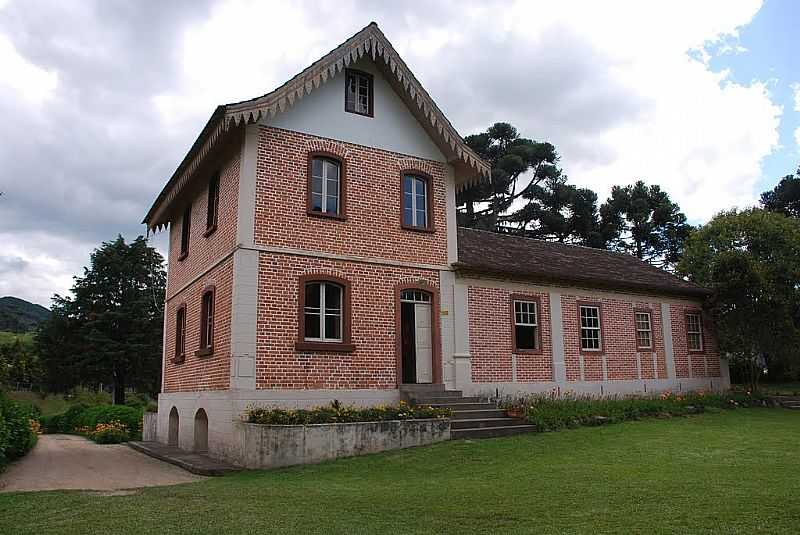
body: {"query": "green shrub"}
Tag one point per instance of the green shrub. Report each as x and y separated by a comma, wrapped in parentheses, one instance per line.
(66, 422)
(549, 412)
(338, 413)
(17, 436)
(130, 417)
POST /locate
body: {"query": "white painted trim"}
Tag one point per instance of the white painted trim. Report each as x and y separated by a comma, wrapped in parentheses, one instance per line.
(245, 227)
(632, 386)
(244, 319)
(346, 258)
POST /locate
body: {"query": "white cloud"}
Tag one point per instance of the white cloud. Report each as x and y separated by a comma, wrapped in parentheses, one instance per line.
(30, 82)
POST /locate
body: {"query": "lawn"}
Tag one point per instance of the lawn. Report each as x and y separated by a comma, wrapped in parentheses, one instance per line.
(728, 472)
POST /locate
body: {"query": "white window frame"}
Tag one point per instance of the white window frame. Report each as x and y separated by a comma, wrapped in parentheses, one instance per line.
(599, 328)
(357, 94)
(415, 183)
(519, 320)
(325, 194)
(648, 330)
(698, 332)
(323, 312)
(415, 296)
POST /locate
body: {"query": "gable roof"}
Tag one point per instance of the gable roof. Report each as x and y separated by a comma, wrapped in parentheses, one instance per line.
(490, 253)
(370, 41)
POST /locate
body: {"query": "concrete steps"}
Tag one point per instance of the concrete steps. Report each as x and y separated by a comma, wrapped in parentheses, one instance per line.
(472, 417)
(787, 402)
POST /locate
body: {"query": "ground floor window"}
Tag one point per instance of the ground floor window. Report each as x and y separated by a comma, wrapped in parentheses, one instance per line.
(591, 335)
(644, 332)
(694, 332)
(526, 325)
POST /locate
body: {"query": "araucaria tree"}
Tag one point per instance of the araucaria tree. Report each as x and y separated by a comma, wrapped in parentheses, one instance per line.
(110, 329)
(785, 197)
(528, 194)
(642, 220)
(751, 260)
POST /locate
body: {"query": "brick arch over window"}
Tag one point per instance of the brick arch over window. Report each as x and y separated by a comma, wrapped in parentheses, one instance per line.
(346, 345)
(422, 166)
(329, 146)
(342, 195)
(435, 328)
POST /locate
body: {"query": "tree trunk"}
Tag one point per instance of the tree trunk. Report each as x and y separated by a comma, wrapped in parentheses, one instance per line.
(119, 389)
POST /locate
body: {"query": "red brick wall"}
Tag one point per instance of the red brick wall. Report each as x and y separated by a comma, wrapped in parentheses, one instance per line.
(373, 364)
(209, 372)
(618, 339)
(705, 363)
(206, 251)
(372, 228)
(492, 343)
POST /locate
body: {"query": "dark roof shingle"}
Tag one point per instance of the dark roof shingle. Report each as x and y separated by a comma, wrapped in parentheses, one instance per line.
(514, 256)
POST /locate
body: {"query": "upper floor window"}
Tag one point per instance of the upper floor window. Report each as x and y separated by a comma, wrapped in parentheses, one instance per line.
(694, 332)
(358, 94)
(326, 196)
(186, 229)
(526, 325)
(644, 330)
(180, 333)
(591, 335)
(416, 202)
(207, 322)
(212, 212)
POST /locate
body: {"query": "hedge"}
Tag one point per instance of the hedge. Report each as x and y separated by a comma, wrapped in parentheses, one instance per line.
(85, 419)
(338, 413)
(548, 412)
(17, 435)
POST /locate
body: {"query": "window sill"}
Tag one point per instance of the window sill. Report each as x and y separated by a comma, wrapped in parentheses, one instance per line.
(696, 351)
(327, 215)
(334, 347)
(527, 351)
(206, 352)
(592, 352)
(429, 230)
(209, 231)
(354, 112)
(182, 256)
(180, 359)
(645, 349)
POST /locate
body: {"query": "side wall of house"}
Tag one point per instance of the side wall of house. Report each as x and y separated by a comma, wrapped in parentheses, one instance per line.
(482, 358)
(208, 265)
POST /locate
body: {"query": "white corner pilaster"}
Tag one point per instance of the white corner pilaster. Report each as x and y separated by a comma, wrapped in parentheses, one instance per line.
(452, 221)
(245, 227)
(462, 365)
(447, 331)
(666, 332)
(557, 338)
(244, 315)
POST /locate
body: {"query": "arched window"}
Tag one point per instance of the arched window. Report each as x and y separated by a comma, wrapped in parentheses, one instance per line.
(416, 202)
(180, 334)
(324, 314)
(326, 186)
(207, 323)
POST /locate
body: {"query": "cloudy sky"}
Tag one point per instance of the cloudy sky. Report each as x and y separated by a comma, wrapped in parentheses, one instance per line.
(101, 99)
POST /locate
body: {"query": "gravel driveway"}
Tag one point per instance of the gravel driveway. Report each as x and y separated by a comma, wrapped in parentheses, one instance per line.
(60, 462)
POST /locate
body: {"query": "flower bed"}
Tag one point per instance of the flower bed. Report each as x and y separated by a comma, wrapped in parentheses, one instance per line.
(105, 424)
(550, 412)
(338, 413)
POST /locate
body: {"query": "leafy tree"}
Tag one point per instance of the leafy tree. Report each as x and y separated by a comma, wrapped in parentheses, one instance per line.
(528, 193)
(785, 197)
(110, 329)
(751, 260)
(642, 220)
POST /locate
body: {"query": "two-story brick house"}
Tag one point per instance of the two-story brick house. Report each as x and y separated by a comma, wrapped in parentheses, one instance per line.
(314, 255)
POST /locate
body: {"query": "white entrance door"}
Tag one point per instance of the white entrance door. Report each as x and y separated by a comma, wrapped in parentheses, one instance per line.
(423, 342)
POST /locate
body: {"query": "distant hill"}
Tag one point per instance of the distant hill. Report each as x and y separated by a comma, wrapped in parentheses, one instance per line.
(18, 315)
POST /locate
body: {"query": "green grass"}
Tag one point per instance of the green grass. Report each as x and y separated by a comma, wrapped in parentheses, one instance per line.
(49, 405)
(727, 472)
(7, 337)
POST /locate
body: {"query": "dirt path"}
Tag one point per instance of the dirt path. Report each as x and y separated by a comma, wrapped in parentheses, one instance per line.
(60, 462)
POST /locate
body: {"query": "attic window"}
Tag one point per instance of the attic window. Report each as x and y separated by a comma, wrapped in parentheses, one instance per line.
(358, 93)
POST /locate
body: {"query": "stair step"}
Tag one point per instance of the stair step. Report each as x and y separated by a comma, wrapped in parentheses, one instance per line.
(445, 401)
(491, 432)
(478, 414)
(465, 406)
(485, 422)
